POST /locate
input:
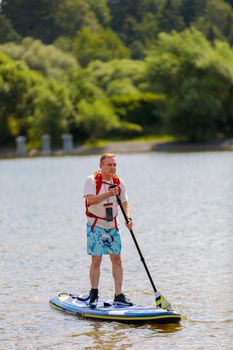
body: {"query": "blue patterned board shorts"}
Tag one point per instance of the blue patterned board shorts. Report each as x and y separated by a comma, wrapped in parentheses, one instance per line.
(103, 241)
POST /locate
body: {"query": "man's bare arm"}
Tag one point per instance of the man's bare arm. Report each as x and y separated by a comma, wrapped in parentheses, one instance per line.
(98, 198)
(126, 208)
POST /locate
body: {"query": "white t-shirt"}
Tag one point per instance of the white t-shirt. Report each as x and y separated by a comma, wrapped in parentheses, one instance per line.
(99, 209)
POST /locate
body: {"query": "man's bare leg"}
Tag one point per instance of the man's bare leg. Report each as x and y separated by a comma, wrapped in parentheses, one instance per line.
(95, 271)
(117, 272)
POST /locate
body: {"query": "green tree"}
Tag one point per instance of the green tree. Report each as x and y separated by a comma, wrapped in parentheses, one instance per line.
(102, 45)
(70, 16)
(216, 21)
(7, 32)
(141, 109)
(149, 28)
(191, 10)
(123, 9)
(31, 105)
(97, 118)
(198, 80)
(52, 111)
(152, 6)
(31, 18)
(47, 20)
(198, 111)
(47, 59)
(169, 17)
(83, 86)
(117, 77)
(101, 10)
(229, 2)
(16, 84)
(122, 87)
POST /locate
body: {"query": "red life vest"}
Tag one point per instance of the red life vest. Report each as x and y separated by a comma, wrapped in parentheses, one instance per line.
(98, 182)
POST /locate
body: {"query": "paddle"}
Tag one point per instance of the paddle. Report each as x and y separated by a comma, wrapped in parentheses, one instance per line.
(160, 300)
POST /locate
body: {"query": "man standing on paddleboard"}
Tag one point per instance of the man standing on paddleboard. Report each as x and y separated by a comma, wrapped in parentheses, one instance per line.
(103, 233)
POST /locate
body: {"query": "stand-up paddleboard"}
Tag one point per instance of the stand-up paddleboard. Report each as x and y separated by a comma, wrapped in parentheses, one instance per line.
(106, 311)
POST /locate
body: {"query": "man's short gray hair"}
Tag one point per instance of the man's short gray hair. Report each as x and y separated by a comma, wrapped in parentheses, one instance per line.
(106, 155)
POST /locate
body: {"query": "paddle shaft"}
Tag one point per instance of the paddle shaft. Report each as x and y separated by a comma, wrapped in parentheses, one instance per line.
(137, 246)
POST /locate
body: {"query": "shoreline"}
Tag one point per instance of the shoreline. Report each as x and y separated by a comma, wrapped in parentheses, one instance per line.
(127, 147)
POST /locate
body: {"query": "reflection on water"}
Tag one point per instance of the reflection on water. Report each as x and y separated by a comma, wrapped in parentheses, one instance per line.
(118, 335)
(182, 209)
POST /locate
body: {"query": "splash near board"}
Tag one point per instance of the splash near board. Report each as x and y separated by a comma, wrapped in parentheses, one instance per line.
(106, 311)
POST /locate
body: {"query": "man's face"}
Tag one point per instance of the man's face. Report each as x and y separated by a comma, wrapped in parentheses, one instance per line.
(108, 166)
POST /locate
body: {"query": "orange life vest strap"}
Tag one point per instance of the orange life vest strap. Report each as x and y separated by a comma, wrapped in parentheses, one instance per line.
(97, 217)
(98, 181)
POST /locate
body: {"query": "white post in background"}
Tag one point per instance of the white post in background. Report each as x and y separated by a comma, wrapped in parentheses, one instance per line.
(67, 143)
(20, 142)
(46, 141)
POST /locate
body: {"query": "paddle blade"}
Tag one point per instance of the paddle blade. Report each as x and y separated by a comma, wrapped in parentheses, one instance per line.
(162, 302)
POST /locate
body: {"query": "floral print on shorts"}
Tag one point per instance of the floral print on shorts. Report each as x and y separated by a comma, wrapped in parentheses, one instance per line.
(103, 241)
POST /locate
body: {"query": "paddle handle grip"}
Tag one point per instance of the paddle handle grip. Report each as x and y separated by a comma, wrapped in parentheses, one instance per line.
(137, 246)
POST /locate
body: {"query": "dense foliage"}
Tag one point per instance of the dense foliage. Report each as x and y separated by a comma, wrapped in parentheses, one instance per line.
(116, 68)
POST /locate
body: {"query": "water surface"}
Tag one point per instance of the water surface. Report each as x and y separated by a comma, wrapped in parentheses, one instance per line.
(182, 209)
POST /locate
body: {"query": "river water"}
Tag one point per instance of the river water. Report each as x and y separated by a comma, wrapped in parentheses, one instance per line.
(182, 206)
